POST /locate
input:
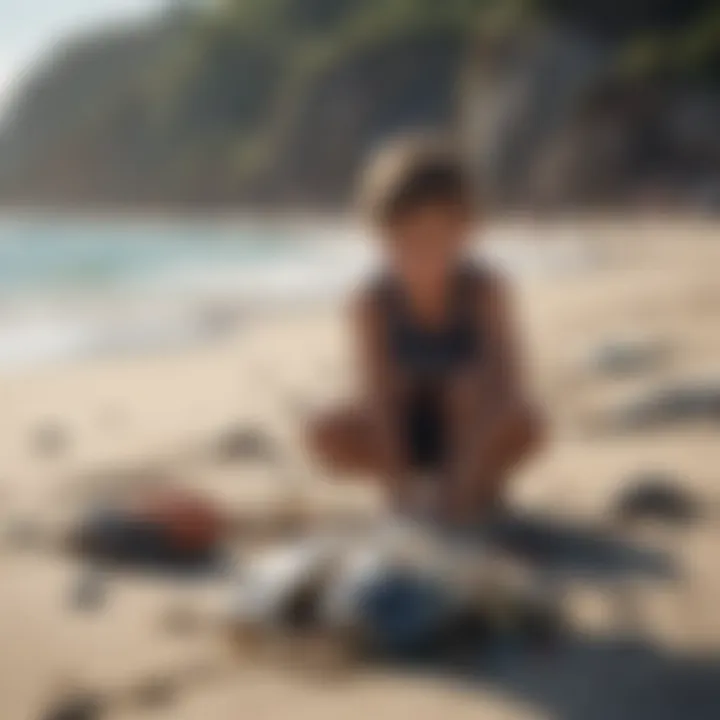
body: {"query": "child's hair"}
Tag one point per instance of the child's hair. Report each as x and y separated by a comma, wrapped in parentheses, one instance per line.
(413, 172)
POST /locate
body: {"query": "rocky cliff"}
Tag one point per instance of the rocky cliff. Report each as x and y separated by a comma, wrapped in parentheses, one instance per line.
(276, 103)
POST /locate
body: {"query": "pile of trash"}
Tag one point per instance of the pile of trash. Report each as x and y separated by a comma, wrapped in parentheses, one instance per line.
(159, 527)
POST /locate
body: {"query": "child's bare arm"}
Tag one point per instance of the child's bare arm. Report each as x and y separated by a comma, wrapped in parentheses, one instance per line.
(380, 387)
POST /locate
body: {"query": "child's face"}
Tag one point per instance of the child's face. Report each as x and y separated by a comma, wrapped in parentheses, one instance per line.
(426, 243)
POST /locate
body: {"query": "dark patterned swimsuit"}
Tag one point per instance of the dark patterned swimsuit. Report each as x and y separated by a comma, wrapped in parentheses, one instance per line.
(428, 358)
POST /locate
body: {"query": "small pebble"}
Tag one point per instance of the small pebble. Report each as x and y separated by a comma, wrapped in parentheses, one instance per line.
(84, 706)
(156, 692)
(181, 621)
(246, 444)
(689, 402)
(656, 496)
(628, 356)
(90, 593)
(49, 440)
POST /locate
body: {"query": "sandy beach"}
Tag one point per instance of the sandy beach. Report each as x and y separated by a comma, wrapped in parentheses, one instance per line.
(64, 425)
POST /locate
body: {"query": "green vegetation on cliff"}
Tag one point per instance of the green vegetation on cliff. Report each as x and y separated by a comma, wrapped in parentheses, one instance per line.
(276, 101)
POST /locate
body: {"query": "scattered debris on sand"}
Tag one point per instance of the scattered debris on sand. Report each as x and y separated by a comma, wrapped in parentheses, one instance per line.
(166, 528)
(656, 496)
(246, 444)
(402, 593)
(691, 401)
(627, 356)
(50, 440)
(156, 692)
(77, 706)
(90, 592)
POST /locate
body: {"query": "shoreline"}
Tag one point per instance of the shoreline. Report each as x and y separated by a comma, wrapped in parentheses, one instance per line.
(188, 296)
(291, 217)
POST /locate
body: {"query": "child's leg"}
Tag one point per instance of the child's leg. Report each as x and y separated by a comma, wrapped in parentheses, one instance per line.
(342, 441)
(516, 436)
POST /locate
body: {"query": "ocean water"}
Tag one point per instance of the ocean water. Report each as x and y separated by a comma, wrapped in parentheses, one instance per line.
(73, 287)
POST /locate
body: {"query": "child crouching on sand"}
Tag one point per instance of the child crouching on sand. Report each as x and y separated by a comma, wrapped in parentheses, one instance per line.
(443, 404)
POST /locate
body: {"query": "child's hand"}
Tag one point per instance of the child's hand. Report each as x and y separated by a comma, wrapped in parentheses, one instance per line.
(466, 504)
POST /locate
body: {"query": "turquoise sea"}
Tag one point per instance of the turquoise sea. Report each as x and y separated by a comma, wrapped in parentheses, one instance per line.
(74, 286)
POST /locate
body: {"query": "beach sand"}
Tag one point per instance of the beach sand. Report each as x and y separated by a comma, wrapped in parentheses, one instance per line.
(63, 427)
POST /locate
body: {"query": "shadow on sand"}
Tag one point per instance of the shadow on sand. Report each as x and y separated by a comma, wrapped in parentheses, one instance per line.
(589, 678)
(582, 676)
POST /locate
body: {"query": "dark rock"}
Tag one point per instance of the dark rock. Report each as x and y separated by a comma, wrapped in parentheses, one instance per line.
(568, 549)
(84, 706)
(403, 613)
(668, 405)
(90, 592)
(392, 608)
(540, 625)
(156, 692)
(49, 440)
(627, 357)
(161, 529)
(659, 497)
(246, 444)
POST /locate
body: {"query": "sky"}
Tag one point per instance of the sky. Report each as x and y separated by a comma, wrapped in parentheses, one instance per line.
(28, 28)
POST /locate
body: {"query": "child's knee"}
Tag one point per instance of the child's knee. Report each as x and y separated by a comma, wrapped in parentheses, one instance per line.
(530, 429)
(335, 439)
(322, 435)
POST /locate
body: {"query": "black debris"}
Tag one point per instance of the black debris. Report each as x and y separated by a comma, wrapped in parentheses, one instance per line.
(659, 497)
(83, 706)
(245, 444)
